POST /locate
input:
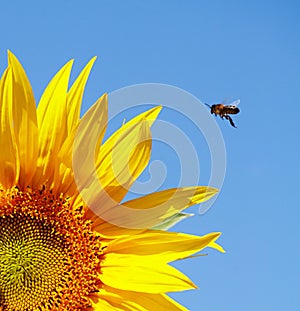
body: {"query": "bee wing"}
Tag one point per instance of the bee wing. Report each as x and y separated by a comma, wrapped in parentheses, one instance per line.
(235, 103)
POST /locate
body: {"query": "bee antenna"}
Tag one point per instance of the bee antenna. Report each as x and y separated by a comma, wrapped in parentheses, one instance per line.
(207, 105)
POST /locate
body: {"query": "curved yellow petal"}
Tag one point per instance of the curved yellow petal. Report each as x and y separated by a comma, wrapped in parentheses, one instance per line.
(99, 304)
(118, 170)
(130, 300)
(216, 246)
(174, 305)
(169, 222)
(25, 121)
(52, 123)
(173, 200)
(152, 209)
(109, 230)
(78, 151)
(124, 156)
(149, 115)
(166, 246)
(140, 273)
(125, 160)
(9, 159)
(74, 96)
(167, 203)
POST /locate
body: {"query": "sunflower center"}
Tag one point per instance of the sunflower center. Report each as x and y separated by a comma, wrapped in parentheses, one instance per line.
(49, 255)
(31, 261)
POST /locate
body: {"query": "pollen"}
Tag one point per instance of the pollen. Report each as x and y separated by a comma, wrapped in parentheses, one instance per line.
(50, 258)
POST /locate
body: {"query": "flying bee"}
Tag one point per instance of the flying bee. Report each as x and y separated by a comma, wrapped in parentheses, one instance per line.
(225, 110)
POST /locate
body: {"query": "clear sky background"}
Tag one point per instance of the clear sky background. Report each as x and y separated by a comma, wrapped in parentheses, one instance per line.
(214, 50)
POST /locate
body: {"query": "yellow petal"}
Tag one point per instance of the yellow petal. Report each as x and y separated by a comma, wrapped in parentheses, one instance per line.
(130, 300)
(78, 151)
(109, 230)
(125, 155)
(125, 160)
(171, 221)
(139, 273)
(103, 305)
(9, 160)
(87, 141)
(216, 246)
(166, 246)
(149, 115)
(152, 209)
(175, 305)
(25, 121)
(173, 200)
(121, 160)
(52, 123)
(159, 206)
(117, 171)
(74, 97)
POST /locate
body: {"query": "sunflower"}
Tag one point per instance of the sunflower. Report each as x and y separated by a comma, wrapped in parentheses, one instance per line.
(56, 251)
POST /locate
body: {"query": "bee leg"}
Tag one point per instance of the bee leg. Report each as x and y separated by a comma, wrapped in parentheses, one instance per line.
(230, 120)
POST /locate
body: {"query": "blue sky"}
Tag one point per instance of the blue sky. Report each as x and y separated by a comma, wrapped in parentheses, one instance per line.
(213, 50)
